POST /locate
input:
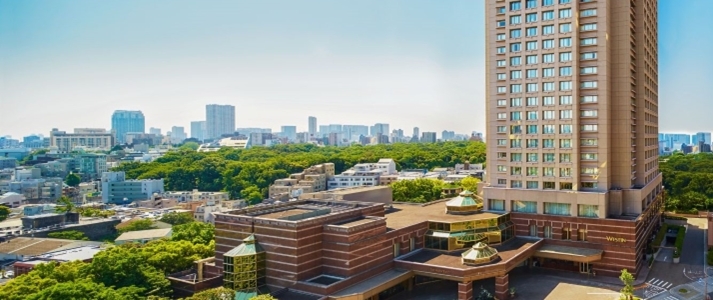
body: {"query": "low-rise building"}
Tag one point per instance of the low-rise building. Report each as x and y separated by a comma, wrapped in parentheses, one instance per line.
(38, 209)
(157, 203)
(97, 138)
(12, 200)
(312, 179)
(195, 195)
(368, 174)
(205, 212)
(230, 142)
(143, 236)
(8, 163)
(116, 189)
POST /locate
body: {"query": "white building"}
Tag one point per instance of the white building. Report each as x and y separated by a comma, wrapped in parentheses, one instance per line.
(231, 142)
(195, 195)
(367, 174)
(116, 189)
(220, 119)
(12, 200)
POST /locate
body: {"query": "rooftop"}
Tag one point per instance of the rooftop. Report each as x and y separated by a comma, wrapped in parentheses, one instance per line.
(144, 234)
(79, 253)
(404, 214)
(33, 246)
(506, 251)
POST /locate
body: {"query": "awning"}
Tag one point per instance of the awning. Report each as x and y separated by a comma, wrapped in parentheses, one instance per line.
(569, 253)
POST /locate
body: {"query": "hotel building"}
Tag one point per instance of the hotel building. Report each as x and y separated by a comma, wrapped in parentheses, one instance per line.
(572, 124)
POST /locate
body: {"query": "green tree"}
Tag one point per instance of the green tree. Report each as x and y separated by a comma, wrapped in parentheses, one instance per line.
(263, 297)
(220, 293)
(143, 224)
(73, 180)
(194, 232)
(252, 194)
(470, 184)
(4, 212)
(65, 205)
(68, 235)
(190, 146)
(420, 190)
(627, 292)
(177, 218)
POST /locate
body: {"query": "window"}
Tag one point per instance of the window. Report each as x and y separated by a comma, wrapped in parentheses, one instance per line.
(502, 129)
(548, 29)
(548, 15)
(589, 127)
(496, 204)
(515, 33)
(566, 233)
(565, 1)
(548, 172)
(548, 44)
(565, 13)
(548, 72)
(515, 61)
(548, 58)
(533, 230)
(502, 168)
(548, 2)
(565, 114)
(565, 71)
(588, 27)
(548, 115)
(565, 100)
(515, 102)
(588, 13)
(502, 89)
(548, 86)
(531, 101)
(515, 5)
(531, 45)
(588, 41)
(566, 42)
(590, 171)
(531, 87)
(502, 102)
(588, 211)
(588, 113)
(502, 142)
(532, 157)
(532, 171)
(565, 143)
(532, 73)
(515, 74)
(582, 235)
(501, 50)
(531, 59)
(501, 37)
(532, 143)
(515, 116)
(515, 129)
(516, 184)
(500, 10)
(515, 88)
(515, 47)
(548, 157)
(559, 209)
(501, 63)
(565, 157)
(502, 76)
(548, 143)
(588, 84)
(588, 70)
(502, 181)
(588, 99)
(529, 18)
(524, 206)
(515, 143)
(565, 128)
(502, 116)
(514, 20)
(516, 157)
(532, 185)
(548, 229)
(531, 4)
(548, 100)
(500, 23)
(565, 85)
(531, 129)
(589, 156)
(565, 56)
(548, 185)
(588, 55)
(565, 172)
(531, 115)
(565, 27)
(589, 185)
(588, 142)
(531, 31)
(548, 129)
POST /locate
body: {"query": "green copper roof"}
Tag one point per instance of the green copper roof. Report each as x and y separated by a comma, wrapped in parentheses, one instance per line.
(465, 198)
(248, 247)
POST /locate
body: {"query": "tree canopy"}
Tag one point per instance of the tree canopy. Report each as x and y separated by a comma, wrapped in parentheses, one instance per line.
(194, 232)
(68, 235)
(687, 181)
(4, 212)
(248, 173)
(177, 218)
(424, 190)
(136, 225)
(73, 180)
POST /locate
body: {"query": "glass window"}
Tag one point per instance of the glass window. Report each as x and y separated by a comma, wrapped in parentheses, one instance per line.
(548, 29)
(500, 23)
(532, 185)
(589, 156)
(559, 209)
(496, 204)
(531, 101)
(565, 143)
(531, 45)
(548, 100)
(515, 88)
(533, 229)
(588, 84)
(529, 18)
(565, 56)
(515, 33)
(515, 5)
(500, 10)
(566, 1)
(515, 47)
(548, 115)
(565, 85)
(515, 102)
(502, 129)
(548, 143)
(515, 129)
(582, 234)
(501, 50)
(531, 4)
(588, 12)
(531, 115)
(588, 70)
(515, 143)
(565, 27)
(565, 172)
(548, 72)
(590, 171)
(531, 157)
(514, 20)
(565, 157)
(516, 157)
(588, 27)
(531, 87)
(531, 129)
(502, 181)
(565, 100)
(565, 114)
(524, 206)
(565, 71)
(588, 55)
(548, 44)
(515, 61)
(565, 128)
(516, 184)
(588, 113)
(589, 185)
(548, 172)
(588, 41)
(532, 143)
(502, 76)
(565, 13)
(548, 58)
(531, 59)
(548, 86)
(548, 185)
(531, 31)
(588, 99)
(515, 116)
(502, 89)
(502, 116)
(588, 211)
(532, 73)
(515, 74)
(588, 142)
(501, 37)
(589, 127)
(501, 63)
(502, 142)
(548, 15)
(548, 2)
(548, 157)
(566, 42)
(548, 129)
(502, 102)
(548, 232)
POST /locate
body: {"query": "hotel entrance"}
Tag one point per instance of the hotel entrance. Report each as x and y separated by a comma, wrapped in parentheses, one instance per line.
(566, 258)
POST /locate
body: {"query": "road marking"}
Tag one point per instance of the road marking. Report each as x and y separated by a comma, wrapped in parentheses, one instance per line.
(668, 285)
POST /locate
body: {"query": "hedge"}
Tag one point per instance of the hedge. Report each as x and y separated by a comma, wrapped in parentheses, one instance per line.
(660, 235)
(680, 236)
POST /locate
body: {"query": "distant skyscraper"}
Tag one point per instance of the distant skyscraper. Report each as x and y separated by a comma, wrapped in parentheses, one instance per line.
(156, 131)
(428, 137)
(416, 132)
(699, 137)
(198, 130)
(312, 126)
(290, 132)
(379, 128)
(124, 121)
(220, 119)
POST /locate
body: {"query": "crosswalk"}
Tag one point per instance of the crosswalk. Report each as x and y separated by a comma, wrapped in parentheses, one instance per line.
(660, 283)
(670, 298)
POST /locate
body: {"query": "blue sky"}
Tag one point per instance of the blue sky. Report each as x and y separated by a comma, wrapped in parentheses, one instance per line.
(70, 64)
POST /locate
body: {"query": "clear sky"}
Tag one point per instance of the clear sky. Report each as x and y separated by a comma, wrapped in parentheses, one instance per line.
(71, 63)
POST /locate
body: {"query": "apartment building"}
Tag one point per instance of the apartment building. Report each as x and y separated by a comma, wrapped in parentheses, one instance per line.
(312, 179)
(368, 174)
(572, 124)
(116, 189)
(82, 137)
(220, 119)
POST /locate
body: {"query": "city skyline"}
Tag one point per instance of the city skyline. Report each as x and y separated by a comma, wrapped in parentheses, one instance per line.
(421, 59)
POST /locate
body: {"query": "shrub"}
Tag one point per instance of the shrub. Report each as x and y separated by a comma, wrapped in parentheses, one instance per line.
(660, 235)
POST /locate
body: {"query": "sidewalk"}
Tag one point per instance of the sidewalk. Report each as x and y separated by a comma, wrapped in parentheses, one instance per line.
(607, 280)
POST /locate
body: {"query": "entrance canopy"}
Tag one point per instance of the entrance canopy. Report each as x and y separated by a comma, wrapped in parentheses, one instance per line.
(569, 253)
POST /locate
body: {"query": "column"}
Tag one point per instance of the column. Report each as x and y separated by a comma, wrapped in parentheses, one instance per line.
(465, 290)
(501, 287)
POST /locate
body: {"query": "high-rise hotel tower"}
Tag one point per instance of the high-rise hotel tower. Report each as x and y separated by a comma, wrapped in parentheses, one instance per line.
(572, 124)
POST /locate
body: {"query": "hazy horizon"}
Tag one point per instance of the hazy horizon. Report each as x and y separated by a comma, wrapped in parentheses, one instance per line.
(69, 64)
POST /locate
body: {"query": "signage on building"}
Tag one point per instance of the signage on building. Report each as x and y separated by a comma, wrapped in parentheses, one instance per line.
(616, 239)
